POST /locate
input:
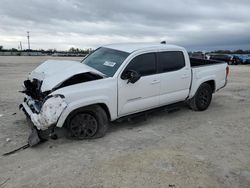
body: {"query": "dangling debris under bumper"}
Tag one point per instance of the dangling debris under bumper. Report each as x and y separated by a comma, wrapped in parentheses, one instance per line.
(43, 119)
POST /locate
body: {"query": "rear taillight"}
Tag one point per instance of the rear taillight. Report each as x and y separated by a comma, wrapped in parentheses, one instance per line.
(227, 71)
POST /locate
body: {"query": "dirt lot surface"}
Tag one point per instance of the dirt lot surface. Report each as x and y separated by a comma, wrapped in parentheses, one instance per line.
(178, 149)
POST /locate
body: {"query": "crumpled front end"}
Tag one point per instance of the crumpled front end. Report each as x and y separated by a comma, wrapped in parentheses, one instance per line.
(46, 114)
(42, 109)
(41, 106)
(50, 112)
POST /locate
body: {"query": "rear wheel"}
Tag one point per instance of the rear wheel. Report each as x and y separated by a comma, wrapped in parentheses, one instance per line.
(88, 122)
(202, 98)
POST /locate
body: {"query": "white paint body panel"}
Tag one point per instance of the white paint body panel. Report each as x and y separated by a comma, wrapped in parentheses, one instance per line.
(175, 85)
(121, 98)
(103, 91)
(142, 95)
(203, 74)
(54, 72)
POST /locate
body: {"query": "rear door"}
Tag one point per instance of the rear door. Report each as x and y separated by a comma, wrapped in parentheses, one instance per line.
(175, 76)
(143, 94)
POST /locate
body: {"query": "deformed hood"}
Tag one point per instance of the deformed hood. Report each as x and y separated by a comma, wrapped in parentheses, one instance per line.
(54, 72)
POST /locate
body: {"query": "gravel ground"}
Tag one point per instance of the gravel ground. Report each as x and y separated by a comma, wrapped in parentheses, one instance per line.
(178, 149)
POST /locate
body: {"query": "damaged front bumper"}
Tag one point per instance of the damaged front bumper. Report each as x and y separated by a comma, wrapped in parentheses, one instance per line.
(43, 116)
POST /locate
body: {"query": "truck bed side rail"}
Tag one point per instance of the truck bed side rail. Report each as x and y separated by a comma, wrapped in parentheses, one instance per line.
(199, 62)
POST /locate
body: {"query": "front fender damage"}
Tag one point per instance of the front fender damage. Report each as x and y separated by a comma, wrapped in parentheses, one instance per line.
(43, 121)
(50, 112)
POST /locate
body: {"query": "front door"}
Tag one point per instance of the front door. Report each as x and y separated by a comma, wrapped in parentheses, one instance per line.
(143, 94)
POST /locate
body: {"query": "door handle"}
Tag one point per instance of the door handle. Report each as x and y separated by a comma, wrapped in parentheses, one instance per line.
(155, 82)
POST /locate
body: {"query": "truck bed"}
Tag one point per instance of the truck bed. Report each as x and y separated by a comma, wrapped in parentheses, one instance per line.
(203, 70)
(201, 62)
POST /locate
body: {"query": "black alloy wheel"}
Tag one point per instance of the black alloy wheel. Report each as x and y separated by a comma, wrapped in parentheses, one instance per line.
(202, 98)
(87, 122)
(83, 125)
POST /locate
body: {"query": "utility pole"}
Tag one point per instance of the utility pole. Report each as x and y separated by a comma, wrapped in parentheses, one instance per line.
(28, 36)
(21, 47)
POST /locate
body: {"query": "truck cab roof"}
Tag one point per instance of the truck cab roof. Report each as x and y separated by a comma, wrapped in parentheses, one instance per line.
(131, 47)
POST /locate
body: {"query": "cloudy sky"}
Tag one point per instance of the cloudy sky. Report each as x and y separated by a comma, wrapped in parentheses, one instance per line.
(61, 24)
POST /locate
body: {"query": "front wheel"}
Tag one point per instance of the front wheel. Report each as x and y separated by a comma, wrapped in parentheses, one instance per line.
(202, 98)
(88, 122)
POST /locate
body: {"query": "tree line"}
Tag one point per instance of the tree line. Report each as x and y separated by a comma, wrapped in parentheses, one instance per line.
(232, 52)
(87, 51)
(50, 51)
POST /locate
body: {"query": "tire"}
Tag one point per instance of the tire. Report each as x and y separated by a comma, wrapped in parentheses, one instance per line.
(202, 98)
(87, 123)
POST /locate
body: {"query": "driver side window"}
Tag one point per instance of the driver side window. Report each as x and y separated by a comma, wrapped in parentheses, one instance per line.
(144, 64)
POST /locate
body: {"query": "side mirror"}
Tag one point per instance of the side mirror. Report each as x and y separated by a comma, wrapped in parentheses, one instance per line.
(131, 75)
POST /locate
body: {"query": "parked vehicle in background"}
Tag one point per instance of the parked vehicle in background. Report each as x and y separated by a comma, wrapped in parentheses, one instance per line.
(245, 58)
(230, 59)
(237, 59)
(221, 57)
(117, 81)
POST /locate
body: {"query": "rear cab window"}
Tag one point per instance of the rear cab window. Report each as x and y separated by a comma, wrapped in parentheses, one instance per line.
(170, 61)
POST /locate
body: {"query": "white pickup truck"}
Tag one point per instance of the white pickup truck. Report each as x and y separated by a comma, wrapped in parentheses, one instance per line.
(116, 81)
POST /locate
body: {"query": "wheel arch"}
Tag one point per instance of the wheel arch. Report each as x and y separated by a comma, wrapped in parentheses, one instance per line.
(70, 109)
(211, 83)
(102, 105)
(106, 109)
(94, 126)
(211, 80)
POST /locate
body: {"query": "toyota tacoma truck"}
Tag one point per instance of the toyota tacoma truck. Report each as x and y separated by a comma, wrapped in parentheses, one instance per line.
(116, 81)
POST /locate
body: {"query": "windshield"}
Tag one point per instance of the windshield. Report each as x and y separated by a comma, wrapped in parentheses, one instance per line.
(106, 60)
